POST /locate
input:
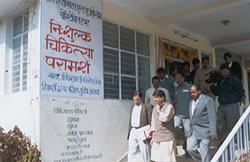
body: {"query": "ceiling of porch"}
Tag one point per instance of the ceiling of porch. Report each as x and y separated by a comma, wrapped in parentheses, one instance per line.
(8, 7)
(224, 23)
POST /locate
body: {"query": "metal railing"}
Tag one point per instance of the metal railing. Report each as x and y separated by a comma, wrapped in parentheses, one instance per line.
(236, 146)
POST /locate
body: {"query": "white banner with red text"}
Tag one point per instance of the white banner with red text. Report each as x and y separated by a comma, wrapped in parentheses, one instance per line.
(72, 48)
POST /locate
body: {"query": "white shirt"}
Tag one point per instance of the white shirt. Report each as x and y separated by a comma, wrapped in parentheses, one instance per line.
(230, 65)
(149, 98)
(176, 84)
(194, 103)
(136, 113)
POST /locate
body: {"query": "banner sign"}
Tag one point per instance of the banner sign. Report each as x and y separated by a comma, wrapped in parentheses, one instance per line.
(72, 48)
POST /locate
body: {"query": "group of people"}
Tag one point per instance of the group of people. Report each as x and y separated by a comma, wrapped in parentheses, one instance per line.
(182, 105)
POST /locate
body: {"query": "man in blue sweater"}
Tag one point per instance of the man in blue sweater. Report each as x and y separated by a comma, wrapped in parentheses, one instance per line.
(181, 102)
(230, 96)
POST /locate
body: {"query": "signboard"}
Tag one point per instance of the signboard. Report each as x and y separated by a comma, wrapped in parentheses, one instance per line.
(71, 48)
(75, 130)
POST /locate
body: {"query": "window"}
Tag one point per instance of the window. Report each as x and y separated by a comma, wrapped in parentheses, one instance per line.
(126, 61)
(20, 53)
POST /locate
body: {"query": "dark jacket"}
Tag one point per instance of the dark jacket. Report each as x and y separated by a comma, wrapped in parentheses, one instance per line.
(192, 73)
(230, 90)
(145, 118)
(236, 70)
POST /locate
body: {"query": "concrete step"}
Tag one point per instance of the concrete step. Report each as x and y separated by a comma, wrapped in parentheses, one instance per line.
(180, 154)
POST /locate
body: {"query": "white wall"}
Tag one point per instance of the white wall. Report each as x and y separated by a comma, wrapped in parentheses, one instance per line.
(22, 108)
(2, 53)
(245, 80)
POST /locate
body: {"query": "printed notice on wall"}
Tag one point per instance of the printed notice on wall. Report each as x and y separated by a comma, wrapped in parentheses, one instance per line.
(66, 132)
(76, 130)
(71, 48)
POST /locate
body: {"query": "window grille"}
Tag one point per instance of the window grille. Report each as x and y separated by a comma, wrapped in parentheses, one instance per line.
(20, 52)
(126, 61)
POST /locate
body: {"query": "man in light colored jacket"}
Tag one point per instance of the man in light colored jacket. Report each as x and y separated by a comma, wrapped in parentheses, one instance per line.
(202, 75)
(203, 124)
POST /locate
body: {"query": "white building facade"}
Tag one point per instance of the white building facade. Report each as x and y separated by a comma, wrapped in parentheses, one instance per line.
(74, 127)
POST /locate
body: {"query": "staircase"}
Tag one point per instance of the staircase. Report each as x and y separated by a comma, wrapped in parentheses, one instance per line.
(236, 146)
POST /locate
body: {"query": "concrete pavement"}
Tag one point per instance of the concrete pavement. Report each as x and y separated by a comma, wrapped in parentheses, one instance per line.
(180, 154)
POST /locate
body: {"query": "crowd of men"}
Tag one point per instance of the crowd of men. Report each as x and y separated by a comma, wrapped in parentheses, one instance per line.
(182, 105)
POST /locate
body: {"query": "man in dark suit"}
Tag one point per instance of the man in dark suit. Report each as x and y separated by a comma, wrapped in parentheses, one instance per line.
(140, 118)
(235, 68)
(196, 65)
(203, 124)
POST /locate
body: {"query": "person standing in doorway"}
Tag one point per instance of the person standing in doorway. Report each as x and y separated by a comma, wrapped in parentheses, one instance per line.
(202, 75)
(196, 65)
(149, 98)
(186, 71)
(140, 116)
(173, 71)
(234, 66)
(166, 83)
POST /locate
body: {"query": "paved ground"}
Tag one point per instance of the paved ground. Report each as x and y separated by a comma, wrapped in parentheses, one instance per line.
(180, 154)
